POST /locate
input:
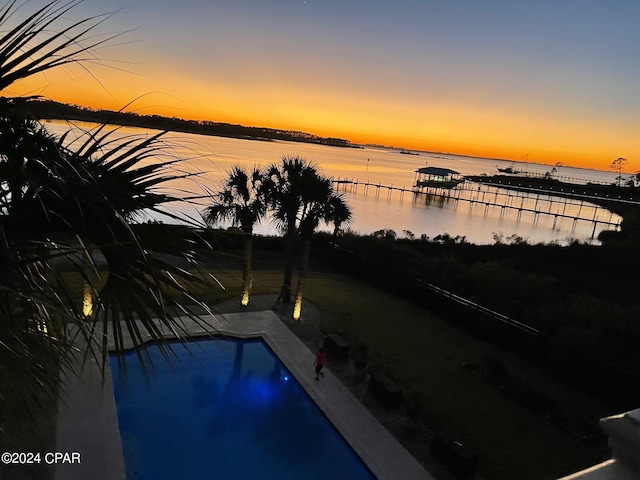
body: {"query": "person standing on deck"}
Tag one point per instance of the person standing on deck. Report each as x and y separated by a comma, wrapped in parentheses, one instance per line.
(321, 358)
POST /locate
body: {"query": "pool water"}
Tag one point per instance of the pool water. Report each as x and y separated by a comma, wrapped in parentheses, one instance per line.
(224, 409)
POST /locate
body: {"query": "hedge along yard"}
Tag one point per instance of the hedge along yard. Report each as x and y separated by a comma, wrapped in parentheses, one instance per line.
(439, 367)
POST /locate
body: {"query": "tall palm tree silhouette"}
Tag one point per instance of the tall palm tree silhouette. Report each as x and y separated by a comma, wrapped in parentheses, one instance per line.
(301, 199)
(241, 201)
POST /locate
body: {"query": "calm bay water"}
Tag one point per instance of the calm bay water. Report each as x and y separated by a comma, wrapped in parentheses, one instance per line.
(215, 156)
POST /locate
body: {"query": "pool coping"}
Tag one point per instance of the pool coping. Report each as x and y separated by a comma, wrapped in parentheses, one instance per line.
(87, 421)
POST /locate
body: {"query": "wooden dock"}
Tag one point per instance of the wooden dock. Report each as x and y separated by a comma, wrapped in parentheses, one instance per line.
(533, 201)
(353, 185)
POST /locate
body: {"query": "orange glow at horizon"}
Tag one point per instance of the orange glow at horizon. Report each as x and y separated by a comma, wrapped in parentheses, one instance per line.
(442, 126)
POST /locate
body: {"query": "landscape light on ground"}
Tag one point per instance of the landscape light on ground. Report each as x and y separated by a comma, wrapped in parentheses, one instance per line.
(245, 298)
(87, 300)
(297, 308)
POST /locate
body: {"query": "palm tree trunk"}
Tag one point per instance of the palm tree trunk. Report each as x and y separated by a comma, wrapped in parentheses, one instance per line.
(302, 275)
(246, 271)
(290, 240)
(334, 237)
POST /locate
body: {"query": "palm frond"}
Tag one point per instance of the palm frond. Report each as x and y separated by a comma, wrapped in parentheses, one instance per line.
(242, 200)
(65, 204)
(30, 47)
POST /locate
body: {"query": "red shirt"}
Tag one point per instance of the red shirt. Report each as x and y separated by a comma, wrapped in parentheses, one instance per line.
(321, 358)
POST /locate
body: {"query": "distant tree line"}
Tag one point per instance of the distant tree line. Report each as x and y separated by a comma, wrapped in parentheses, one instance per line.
(50, 110)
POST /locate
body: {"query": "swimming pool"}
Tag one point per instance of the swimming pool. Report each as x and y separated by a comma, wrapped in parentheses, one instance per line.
(224, 409)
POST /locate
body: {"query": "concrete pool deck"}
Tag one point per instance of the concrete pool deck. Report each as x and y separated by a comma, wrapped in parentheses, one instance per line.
(87, 422)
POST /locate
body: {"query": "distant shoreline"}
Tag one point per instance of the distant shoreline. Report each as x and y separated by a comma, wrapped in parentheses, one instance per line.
(50, 110)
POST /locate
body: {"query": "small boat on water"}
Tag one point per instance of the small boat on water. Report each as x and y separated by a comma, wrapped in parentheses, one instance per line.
(437, 177)
(509, 170)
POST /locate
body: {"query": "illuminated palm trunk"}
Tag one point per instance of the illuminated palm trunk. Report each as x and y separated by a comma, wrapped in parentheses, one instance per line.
(246, 270)
(302, 274)
(290, 238)
(87, 300)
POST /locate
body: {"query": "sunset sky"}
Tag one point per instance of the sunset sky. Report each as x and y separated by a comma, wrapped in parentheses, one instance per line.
(546, 80)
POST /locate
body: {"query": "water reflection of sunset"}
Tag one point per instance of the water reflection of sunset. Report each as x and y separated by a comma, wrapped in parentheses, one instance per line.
(210, 158)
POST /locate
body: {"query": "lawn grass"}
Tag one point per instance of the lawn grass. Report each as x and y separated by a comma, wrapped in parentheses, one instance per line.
(431, 359)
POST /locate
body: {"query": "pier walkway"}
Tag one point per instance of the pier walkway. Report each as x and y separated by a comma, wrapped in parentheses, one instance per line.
(517, 198)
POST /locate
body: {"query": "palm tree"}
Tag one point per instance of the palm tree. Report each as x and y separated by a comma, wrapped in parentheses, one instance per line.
(302, 199)
(62, 209)
(321, 205)
(242, 201)
(285, 186)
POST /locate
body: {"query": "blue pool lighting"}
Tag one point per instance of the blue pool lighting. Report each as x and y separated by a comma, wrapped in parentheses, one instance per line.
(224, 409)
